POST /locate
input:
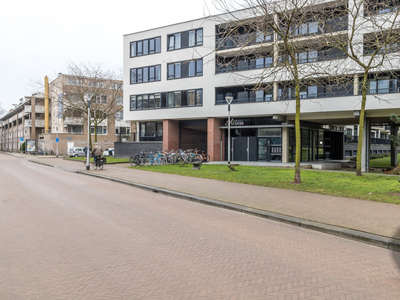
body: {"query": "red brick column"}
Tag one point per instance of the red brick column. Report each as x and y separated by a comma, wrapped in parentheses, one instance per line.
(171, 134)
(214, 139)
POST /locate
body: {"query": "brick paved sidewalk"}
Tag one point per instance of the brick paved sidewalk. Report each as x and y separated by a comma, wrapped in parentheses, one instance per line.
(381, 219)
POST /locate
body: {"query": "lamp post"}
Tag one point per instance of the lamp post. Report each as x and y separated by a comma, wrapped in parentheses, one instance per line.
(229, 101)
(89, 97)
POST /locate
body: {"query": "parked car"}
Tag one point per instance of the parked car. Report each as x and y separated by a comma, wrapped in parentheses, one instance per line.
(76, 151)
(109, 152)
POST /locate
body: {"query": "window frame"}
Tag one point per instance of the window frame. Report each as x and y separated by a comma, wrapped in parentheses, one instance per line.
(144, 73)
(172, 39)
(174, 99)
(145, 44)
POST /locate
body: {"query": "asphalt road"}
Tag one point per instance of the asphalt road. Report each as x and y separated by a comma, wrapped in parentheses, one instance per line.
(70, 236)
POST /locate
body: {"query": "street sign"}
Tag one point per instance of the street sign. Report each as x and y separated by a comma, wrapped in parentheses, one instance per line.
(21, 139)
(57, 140)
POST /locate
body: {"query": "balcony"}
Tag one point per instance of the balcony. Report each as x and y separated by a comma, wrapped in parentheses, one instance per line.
(20, 115)
(39, 109)
(38, 123)
(28, 109)
(73, 121)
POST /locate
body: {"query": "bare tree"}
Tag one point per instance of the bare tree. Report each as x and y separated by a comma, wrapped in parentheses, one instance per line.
(90, 82)
(287, 33)
(371, 45)
(2, 110)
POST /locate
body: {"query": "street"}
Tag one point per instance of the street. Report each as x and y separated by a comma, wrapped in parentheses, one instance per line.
(70, 236)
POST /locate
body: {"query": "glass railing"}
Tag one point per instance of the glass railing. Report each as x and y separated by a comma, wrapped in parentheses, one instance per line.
(246, 100)
(242, 40)
(316, 95)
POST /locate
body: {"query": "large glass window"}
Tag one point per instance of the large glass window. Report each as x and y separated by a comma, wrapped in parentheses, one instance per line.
(145, 74)
(166, 100)
(185, 69)
(145, 47)
(185, 39)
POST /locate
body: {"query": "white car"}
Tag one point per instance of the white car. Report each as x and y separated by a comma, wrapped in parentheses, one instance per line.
(109, 152)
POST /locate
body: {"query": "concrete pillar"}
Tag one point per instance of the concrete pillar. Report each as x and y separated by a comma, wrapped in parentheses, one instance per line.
(214, 139)
(393, 150)
(365, 145)
(285, 144)
(275, 91)
(171, 134)
(355, 89)
(33, 118)
(137, 132)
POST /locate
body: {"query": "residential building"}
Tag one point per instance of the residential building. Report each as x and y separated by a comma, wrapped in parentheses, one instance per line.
(25, 121)
(66, 124)
(177, 78)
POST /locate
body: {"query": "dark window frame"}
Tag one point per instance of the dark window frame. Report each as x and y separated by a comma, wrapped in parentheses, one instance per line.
(142, 71)
(198, 40)
(143, 42)
(184, 69)
(179, 99)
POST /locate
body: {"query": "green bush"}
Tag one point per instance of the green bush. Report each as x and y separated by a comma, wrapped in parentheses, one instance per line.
(22, 147)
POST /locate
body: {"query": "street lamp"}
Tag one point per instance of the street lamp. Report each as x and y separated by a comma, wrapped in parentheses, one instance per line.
(229, 101)
(89, 97)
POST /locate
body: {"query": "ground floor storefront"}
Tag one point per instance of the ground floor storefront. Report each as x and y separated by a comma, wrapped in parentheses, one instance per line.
(253, 139)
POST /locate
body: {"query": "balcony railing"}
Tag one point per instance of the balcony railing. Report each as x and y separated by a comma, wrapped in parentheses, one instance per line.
(28, 109)
(73, 121)
(28, 123)
(243, 40)
(373, 141)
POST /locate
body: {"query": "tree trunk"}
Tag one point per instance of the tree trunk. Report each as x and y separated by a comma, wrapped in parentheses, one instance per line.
(297, 178)
(361, 125)
(95, 133)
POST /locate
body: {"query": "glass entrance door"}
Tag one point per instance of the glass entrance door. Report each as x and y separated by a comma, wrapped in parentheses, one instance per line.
(263, 148)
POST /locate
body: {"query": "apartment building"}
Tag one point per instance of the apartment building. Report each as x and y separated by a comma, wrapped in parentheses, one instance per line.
(177, 79)
(25, 121)
(66, 124)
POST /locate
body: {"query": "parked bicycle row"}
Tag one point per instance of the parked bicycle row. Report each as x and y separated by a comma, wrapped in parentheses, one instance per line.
(165, 157)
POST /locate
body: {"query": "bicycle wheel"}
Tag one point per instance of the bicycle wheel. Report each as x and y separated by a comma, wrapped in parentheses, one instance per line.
(101, 164)
(207, 158)
(94, 165)
(197, 158)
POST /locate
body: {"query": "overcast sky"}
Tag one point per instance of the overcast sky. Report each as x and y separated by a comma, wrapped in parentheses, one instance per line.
(40, 37)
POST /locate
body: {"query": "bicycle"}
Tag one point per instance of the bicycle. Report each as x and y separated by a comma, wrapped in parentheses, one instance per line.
(98, 163)
(205, 156)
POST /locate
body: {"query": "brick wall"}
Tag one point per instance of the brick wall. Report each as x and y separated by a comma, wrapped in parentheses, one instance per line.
(192, 139)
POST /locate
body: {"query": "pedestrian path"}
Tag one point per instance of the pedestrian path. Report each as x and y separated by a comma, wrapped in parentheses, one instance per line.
(381, 219)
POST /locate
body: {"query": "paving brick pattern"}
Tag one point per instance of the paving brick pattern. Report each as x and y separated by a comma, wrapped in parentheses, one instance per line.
(69, 236)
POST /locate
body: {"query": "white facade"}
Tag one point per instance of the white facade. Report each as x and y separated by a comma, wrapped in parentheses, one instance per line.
(323, 111)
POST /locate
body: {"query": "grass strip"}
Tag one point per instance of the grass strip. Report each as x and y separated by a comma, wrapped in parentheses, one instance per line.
(344, 184)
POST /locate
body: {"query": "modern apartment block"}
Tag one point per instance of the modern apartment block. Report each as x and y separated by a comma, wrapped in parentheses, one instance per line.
(67, 125)
(177, 78)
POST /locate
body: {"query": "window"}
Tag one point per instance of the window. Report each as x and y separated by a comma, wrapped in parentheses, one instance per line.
(192, 38)
(171, 98)
(119, 116)
(185, 69)
(185, 39)
(133, 103)
(166, 100)
(145, 74)
(177, 99)
(145, 47)
(99, 129)
(122, 130)
(191, 98)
